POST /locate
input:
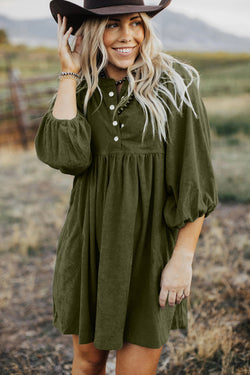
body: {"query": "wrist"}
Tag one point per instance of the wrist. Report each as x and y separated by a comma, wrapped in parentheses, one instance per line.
(65, 76)
(67, 83)
(184, 252)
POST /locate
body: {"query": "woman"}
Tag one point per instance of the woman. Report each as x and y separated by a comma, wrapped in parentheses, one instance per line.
(129, 124)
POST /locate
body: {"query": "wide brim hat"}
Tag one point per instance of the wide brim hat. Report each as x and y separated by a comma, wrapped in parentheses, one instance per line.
(76, 14)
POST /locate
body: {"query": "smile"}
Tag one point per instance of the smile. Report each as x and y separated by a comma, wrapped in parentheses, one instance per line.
(124, 51)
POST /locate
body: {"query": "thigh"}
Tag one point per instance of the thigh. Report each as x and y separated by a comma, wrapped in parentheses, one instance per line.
(89, 352)
(137, 360)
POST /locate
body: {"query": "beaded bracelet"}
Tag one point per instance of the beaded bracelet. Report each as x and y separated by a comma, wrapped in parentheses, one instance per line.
(69, 75)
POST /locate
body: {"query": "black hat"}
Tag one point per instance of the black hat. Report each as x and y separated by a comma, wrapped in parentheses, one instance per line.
(76, 14)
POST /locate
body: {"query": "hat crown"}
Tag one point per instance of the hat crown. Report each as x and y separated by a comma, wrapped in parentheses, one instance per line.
(94, 4)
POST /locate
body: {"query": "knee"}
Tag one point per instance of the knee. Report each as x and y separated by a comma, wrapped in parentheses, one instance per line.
(88, 360)
(87, 366)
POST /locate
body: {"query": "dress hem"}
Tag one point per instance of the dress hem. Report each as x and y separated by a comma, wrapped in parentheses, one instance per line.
(127, 339)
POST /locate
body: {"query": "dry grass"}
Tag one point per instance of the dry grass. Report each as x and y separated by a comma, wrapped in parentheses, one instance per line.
(33, 203)
(227, 105)
(231, 160)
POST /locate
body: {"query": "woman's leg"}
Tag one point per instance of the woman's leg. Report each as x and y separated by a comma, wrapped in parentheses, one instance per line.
(88, 360)
(137, 360)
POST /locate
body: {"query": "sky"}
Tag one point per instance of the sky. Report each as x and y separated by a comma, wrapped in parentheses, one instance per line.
(227, 15)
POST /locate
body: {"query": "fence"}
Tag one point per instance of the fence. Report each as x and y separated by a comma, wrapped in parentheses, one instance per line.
(22, 104)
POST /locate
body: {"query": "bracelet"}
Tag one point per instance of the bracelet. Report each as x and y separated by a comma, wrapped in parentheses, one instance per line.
(69, 73)
(68, 77)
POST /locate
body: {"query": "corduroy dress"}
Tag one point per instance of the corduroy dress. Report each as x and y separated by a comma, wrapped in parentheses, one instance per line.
(128, 201)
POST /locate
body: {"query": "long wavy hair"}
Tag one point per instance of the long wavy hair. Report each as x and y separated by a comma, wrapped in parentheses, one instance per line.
(145, 77)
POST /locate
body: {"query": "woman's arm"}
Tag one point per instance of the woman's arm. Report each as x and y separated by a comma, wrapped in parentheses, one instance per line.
(177, 274)
(65, 104)
(63, 139)
(191, 191)
(188, 237)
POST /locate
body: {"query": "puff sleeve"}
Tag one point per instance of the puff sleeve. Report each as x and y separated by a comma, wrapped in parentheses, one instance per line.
(64, 144)
(190, 180)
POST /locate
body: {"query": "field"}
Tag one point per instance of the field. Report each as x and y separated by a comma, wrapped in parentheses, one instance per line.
(33, 203)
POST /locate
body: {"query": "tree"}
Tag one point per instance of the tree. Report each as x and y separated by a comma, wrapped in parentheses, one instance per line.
(3, 37)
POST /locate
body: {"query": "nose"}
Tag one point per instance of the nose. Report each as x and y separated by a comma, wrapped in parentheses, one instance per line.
(125, 34)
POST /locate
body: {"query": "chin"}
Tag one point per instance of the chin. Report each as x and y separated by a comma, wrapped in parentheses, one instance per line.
(124, 65)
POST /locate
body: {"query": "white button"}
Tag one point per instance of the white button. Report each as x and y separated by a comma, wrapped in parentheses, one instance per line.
(116, 138)
(122, 125)
(112, 107)
(111, 93)
(115, 123)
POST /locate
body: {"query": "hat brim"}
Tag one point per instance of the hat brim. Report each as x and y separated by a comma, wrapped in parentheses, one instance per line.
(76, 14)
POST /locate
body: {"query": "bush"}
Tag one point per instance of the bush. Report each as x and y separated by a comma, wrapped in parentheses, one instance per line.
(228, 126)
(3, 37)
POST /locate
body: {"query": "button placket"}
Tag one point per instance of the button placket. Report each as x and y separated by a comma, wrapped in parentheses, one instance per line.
(116, 136)
(112, 104)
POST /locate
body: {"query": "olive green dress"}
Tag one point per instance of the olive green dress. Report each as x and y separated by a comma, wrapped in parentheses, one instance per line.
(128, 201)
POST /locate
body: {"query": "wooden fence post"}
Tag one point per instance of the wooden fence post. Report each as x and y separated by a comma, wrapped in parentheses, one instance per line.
(15, 89)
(21, 106)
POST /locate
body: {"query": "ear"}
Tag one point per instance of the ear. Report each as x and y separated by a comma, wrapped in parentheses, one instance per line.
(78, 44)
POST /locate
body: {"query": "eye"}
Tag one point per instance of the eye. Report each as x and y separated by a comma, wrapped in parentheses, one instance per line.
(110, 25)
(137, 23)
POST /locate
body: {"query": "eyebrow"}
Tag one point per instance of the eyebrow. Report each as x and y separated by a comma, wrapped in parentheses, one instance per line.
(117, 19)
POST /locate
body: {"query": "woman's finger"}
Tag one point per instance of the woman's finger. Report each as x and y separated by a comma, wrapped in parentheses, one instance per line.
(59, 21)
(68, 32)
(179, 296)
(61, 29)
(66, 37)
(58, 25)
(186, 292)
(163, 296)
(172, 298)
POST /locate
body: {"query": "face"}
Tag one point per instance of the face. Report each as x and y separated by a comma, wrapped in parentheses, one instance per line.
(122, 38)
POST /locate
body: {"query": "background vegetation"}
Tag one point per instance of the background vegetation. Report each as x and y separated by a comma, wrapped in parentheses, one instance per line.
(225, 87)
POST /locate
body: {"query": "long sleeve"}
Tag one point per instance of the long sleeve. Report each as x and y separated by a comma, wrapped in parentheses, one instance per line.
(64, 144)
(190, 179)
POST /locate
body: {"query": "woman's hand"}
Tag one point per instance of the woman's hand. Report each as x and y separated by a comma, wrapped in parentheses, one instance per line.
(70, 60)
(176, 277)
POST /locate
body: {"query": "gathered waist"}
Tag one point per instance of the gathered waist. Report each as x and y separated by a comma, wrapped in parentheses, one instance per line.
(118, 153)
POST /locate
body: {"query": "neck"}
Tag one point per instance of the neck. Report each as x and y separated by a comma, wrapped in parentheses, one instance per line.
(115, 75)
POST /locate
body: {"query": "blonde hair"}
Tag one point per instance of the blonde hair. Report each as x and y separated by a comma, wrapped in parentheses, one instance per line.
(147, 83)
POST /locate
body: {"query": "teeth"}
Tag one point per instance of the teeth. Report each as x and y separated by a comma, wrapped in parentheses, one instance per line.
(124, 50)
